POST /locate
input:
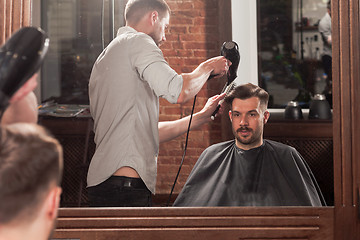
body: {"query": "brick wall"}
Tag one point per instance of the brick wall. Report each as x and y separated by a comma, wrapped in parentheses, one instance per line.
(193, 36)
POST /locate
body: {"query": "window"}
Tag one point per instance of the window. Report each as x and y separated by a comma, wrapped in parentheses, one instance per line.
(289, 48)
(78, 32)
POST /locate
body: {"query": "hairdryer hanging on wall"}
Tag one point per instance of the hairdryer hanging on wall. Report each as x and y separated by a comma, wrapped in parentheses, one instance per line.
(20, 57)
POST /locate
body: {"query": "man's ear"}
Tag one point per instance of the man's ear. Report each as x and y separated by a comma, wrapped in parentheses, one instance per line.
(52, 202)
(154, 17)
(230, 115)
(266, 116)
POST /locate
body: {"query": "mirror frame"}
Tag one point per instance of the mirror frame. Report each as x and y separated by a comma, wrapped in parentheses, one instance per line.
(338, 222)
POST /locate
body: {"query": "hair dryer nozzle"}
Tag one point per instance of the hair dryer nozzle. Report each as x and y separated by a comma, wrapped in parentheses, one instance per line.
(20, 57)
(230, 50)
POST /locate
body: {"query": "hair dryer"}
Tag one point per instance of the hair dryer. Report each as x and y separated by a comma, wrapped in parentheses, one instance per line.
(20, 57)
(230, 50)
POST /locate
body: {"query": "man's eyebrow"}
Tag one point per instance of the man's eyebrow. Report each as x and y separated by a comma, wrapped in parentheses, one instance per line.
(250, 111)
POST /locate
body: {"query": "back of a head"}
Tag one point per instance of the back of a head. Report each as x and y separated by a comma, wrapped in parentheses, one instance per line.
(329, 5)
(136, 9)
(30, 163)
(247, 91)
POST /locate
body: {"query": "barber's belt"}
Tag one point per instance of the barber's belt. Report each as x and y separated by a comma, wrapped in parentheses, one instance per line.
(127, 182)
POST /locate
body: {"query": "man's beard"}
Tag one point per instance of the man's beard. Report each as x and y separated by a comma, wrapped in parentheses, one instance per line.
(252, 139)
(242, 140)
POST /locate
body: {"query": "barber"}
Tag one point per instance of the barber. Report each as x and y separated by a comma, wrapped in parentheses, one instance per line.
(126, 82)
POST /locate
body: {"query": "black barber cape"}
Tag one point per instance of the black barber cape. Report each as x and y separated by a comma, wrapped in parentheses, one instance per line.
(273, 174)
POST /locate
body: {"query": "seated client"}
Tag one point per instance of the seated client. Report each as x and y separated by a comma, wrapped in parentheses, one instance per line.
(250, 171)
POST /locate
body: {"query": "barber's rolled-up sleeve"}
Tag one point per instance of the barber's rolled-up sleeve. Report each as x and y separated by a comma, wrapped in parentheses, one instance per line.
(151, 66)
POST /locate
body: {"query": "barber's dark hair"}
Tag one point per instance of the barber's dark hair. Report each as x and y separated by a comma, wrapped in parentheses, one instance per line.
(30, 163)
(136, 9)
(329, 4)
(247, 91)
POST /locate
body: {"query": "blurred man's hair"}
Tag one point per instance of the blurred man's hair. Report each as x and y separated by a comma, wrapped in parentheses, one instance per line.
(30, 164)
(136, 9)
(246, 91)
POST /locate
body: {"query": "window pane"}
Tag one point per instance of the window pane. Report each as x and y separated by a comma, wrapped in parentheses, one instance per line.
(290, 51)
(78, 31)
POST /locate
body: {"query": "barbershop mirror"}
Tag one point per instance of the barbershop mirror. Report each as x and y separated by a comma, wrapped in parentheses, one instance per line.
(289, 54)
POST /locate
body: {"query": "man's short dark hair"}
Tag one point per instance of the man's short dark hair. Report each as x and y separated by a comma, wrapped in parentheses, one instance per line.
(248, 91)
(30, 163)
(329, 5)
(136, 9)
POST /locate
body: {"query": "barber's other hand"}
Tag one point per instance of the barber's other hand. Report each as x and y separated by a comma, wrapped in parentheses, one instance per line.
(212, 104)
(329, 39)
(23, 105)
(219, 65)
(27, 88)
(22, 110)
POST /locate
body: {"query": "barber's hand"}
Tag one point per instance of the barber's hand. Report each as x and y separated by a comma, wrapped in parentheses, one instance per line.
(329, 39)
(220, 66)
(212, 104)
(27, 88)
(22, 110)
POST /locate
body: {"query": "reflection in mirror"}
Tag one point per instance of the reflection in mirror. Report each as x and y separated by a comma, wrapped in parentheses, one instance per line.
(293, 54)
(83, 40)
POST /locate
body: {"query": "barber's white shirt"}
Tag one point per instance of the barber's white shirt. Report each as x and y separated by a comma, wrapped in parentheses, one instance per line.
(325, 30)
(126, 82)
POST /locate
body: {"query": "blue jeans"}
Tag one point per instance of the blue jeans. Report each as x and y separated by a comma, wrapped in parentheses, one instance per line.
(118, 191)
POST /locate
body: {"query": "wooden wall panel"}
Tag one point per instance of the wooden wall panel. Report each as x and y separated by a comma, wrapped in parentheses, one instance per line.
(355, 108)
(345, 33)
(14, 14)
(196, 223)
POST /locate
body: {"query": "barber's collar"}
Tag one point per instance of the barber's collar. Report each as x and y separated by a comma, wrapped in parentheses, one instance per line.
(125, 29)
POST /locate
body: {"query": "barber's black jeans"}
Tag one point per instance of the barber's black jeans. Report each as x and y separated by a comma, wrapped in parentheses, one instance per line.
(118, 191)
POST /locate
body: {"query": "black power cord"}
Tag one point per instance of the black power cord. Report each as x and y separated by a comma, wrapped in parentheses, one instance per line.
(183, 157)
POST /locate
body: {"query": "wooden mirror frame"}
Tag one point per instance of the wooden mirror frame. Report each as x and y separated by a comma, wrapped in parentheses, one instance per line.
(338, 222)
